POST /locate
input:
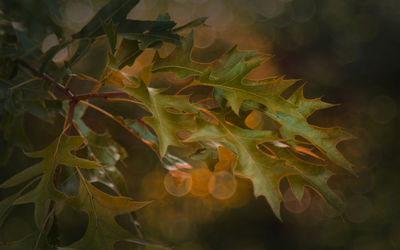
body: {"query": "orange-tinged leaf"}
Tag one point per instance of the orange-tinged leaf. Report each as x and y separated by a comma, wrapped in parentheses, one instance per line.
(306, 151)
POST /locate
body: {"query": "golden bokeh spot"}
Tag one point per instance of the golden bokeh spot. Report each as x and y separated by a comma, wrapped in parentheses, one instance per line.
(222, 185)
(177, 184)
(201, 176)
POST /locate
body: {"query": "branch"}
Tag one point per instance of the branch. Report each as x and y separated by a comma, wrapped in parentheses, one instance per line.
(67, 130)
(101, 95)
(45, 77)
(65, 90)
(122, 123)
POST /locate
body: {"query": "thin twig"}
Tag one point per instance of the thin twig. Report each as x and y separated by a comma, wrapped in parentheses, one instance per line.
(132, 215)
(101, 95)
(122, 123)
(23, 83)
(73, 101)
(45, 77)
(68, 130)
(64, 89)
(124, 100)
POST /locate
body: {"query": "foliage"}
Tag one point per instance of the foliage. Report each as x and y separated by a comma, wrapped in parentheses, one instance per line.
(32, 82)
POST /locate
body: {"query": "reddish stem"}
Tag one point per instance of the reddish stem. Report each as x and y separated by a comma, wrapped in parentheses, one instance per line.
(65, 90)
(45, 77)
(101, 95)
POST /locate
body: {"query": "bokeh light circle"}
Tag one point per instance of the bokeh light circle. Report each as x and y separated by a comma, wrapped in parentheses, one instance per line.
(222, 185)
(295, 206)
(177, 186)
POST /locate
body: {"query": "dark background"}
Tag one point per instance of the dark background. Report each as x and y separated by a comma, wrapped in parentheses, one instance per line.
(346, 51)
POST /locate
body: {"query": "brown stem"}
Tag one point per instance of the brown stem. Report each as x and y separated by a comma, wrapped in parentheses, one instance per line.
(101, 95)
(57, 172)
(73, 101)
(122, 123)
(45, 77)
(68, 129)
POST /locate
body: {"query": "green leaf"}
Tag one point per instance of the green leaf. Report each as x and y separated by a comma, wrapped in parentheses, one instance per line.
(83, 48)
(192, 24)
(53, 7)
(48, 56)
(31, 241)
(208, 153)
(181, 63)
(101, 146)
(325, 139)
(233, 90)
(164, 17)
(265, 171)
(312, 175)
(8, 68)
(307, 106)
(148, 32)
(115, 10)
(26, 44)
(126, 53)
(103, 231)
(140, 27)
(286, 113)
(170, 114)
(14, 131)
(109, 176)
(107, 151)
(229, 72)
(6, 203)
(140, 128)
(111, 34)
(57, 153)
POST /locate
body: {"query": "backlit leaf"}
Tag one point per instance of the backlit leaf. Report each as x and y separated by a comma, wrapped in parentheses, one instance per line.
(170, 113)
(264, 165)
(57, 153)
(103, 231)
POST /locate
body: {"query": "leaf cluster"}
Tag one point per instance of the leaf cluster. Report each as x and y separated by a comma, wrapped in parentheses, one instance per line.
(224, 125)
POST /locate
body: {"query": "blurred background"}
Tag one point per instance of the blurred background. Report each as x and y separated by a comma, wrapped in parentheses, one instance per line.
(346, 51)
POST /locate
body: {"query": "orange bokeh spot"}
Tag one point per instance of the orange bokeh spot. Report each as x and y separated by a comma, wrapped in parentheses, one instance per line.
(201, 177)
(177, 183)
(222, 185)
